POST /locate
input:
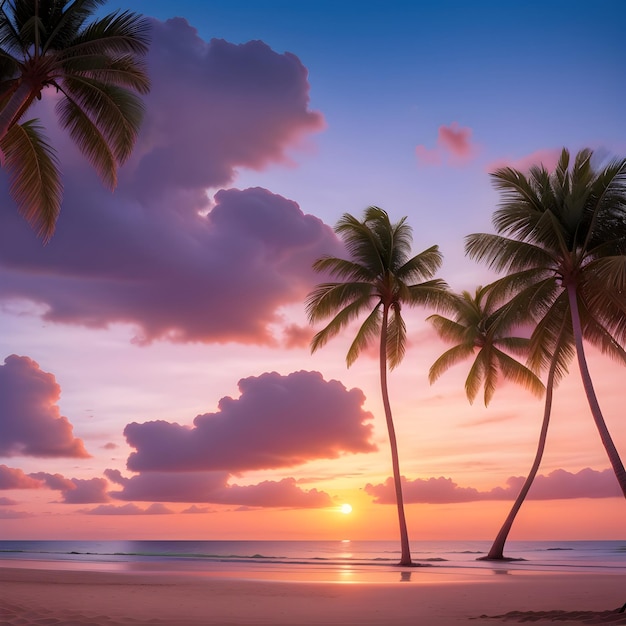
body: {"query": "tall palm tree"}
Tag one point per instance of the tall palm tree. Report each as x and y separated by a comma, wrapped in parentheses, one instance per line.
(481, 329)
(562, 242)
(96, 65)
(377, 280)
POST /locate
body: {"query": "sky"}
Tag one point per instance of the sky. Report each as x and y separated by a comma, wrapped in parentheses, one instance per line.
(156, 379)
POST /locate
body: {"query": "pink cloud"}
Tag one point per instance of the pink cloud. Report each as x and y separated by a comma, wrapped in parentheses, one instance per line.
(428, 157)
(295, 336)
(129, 509)
(284, 493)
(13, 478)
(456, 140)
(4, 514)
(213, 487)
(177, 273)
(30, 420)
(198, 510)
(548, 157)
(559, 484)
(278, 421)
(7, 502)
(454, 146)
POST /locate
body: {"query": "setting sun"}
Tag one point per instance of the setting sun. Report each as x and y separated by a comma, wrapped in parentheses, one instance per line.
(346, 509)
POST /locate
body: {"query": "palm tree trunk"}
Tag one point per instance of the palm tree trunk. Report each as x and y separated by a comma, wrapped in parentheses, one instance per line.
(405, 558)
(496, 553)
(609, 446)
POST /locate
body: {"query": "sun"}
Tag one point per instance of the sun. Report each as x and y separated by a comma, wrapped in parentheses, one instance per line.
(345, 509)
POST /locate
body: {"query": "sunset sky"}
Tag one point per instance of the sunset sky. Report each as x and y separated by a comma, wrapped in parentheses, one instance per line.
(155, 375)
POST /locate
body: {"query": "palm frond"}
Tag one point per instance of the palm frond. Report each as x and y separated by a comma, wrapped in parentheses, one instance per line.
(518, 373)
(448, 359)
(116, 113)
(422, 266)
(344, 317)
(434, 294)
(34, 174)
(367, 332)
(328, 299)
(344, 269)
(507, 255)
(475, 376)
(396, 337)
(449, 330)
(116, 33)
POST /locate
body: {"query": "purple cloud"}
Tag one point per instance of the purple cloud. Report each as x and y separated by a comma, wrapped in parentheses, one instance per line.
(30, 420)
(7, 502)
(168, 487)
(212, 487)
(558, 484)
(149, 255)
(278, 421)
(242, 106)
(75, 490)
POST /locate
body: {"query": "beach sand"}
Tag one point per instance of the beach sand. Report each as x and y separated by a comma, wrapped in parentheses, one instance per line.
(424, 597)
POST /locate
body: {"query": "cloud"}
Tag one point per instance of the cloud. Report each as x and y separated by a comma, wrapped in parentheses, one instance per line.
(278, 421)
(295, 336)
(5, 514)
(195, 510)
(179, 271)
(13, 478)
(168, 486)
(74, 490)
(454, 146)
(212, 487)
(548, 157)
(233, 106)
(558, 484)
(284, 493)
(7, 502)
(431, 491)
(128, 509)
(30, 420)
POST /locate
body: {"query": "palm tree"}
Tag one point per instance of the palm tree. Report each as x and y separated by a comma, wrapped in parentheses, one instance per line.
(481, 329)
(377, 279)
(562, 242)
(97, 68)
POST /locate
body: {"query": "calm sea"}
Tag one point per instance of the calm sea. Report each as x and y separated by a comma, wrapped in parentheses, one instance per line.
(258, 557)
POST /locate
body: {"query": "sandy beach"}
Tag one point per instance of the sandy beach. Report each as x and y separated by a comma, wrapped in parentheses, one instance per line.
(428, 597)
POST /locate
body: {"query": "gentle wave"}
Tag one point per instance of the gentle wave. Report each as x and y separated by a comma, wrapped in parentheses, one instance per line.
(330, 554)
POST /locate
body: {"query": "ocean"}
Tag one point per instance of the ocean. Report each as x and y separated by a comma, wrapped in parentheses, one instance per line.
(330, 559)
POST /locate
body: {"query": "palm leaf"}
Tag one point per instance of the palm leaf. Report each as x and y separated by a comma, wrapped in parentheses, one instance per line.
(365, 335)
(449, 358)
(34, 174)
(396, 337)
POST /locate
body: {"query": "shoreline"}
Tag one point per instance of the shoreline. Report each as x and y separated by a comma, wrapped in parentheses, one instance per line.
(429, 596)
